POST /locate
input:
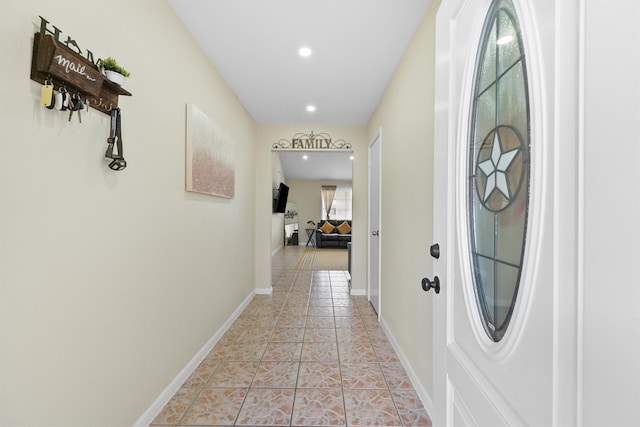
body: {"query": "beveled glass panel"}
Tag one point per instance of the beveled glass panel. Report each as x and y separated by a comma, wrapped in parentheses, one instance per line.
(483, 224)
(488, 68)
(507, 277)
(511, 223)
(485, 119)
(508, 44)
(485, 277)
(512, 98)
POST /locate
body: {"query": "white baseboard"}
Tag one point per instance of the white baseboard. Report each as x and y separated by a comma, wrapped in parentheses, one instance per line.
(415, 380)
(149, 415)
(154, 409)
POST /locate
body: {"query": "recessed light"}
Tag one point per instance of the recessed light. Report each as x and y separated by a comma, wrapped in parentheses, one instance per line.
(305, 52)
(305, 157)
(351, 158)
(311, 108)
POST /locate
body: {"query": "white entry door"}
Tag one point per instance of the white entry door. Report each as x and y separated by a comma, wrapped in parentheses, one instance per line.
(498, 360)
(374, 223)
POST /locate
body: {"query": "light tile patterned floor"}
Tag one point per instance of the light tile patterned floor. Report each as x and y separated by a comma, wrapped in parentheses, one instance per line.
(307, 355)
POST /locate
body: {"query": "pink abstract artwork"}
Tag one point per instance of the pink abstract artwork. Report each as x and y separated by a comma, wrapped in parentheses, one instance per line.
(210, 156)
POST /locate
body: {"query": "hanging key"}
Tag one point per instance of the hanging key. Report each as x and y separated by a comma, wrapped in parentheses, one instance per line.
(75, 104)
(79, 106)
(71, 109)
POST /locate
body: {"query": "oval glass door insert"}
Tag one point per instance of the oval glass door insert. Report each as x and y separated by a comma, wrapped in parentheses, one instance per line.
(498, 168)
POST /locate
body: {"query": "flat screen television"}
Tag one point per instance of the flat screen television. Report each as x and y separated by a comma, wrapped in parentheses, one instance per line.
(280, 201)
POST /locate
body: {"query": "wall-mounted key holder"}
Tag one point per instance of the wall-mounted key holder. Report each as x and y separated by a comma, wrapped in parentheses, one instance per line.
(55, 63)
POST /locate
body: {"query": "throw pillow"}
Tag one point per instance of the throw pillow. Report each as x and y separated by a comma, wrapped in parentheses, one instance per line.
(327, 228)
(344, 228)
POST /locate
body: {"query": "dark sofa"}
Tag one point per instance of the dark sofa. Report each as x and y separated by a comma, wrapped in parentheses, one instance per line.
(334, 239)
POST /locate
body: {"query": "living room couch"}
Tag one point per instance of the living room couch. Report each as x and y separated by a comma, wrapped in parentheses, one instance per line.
(335, 235)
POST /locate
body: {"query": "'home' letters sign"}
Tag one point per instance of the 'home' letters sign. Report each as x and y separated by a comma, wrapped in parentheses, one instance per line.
(64, 61)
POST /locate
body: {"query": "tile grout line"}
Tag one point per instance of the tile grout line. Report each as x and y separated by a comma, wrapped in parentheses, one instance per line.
(344, 399)
(308, 290)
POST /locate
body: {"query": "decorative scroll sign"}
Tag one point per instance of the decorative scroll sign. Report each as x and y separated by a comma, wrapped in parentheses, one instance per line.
(303, 141)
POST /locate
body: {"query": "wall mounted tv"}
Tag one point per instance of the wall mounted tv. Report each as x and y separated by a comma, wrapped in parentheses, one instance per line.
(280, 199)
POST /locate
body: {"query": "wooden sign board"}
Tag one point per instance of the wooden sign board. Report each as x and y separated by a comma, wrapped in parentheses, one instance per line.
(64, 64)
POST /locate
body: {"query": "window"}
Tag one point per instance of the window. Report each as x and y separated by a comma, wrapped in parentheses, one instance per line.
(341, 206)
(498, 168)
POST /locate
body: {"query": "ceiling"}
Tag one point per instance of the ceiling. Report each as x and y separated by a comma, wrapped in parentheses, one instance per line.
(319, 166)
(356, 46)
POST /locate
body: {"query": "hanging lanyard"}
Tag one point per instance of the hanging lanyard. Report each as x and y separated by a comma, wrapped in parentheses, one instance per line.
(115, 139)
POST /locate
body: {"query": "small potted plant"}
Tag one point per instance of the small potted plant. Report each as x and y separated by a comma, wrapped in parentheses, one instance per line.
(114, 71)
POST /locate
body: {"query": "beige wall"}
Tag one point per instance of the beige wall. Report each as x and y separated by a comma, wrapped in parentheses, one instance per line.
(405, 114)
(277, 219)
(307, 196)
(267, 135)
(110, 282)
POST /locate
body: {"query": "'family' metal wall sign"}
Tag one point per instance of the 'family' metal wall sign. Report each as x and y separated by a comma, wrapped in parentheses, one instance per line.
(312, 141)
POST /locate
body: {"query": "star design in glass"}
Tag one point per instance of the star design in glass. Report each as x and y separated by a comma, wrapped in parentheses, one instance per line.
(495, 169)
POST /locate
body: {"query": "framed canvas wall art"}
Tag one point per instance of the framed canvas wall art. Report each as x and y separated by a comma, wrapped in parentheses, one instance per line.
(210, 156)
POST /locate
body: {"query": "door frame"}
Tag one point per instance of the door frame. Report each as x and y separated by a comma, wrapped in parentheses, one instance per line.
(378, 207)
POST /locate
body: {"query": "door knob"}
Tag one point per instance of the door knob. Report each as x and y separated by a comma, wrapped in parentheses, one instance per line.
(434, 250)
(375, 233)
(428, 284)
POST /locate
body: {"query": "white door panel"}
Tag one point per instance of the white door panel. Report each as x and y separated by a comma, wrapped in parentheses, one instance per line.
(569, 356)
(479, 381)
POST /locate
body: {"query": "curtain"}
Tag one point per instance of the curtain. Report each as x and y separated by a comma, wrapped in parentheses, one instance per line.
(328, 193)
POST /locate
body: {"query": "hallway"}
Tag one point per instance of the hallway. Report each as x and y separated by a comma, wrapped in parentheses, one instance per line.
(307, 355)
